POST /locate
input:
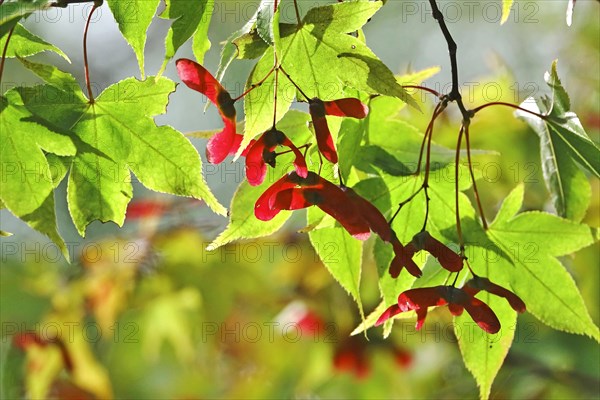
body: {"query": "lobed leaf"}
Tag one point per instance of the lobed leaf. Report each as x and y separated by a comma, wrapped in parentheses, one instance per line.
(23, 43)
(12, 12)
(133, 18)
(321, 41)
(113, 135)
(190, 19)
(27, 187)
(532, 240)
(230, 50)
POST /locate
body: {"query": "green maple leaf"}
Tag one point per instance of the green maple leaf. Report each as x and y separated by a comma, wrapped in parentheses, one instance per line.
(134, 18)
(231, 47)
(27, 185)
(114, 135)
(340, 253)
(12, 12)
(484, 353)
(323, 59)
(191, 19)
(24, 44)
(258, 104)
(533, 240)
(563, 144)
(249, 46)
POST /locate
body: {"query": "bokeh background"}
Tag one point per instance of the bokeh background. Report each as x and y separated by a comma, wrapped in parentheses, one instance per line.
(154, 315)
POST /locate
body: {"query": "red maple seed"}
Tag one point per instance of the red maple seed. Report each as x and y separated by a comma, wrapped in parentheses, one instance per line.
(446, 257)
(261, 152)
(420, 299)
(196, 77)
(479, 283)
(293, 192)
(318, 109)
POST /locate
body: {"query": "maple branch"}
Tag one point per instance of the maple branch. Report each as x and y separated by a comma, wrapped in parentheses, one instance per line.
(454, 94)
(65, 3)
(8, 35)
(85, 57)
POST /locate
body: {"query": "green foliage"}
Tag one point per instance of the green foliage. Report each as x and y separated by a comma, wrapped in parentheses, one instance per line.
(24, 44)
(12, 12)
(304, 50)
(57, 132)
(258, 104)
(190, 20)
(134, 18)
(533, 240)
(107, 139)
(340, 253)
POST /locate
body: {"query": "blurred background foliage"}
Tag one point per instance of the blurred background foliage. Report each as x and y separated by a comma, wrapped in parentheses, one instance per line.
(146, 312)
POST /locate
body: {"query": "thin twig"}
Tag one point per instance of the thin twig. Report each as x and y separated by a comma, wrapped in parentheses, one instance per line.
(501, 103)
(8, 35)
(436, 112)
(475, 191)
(403, 203)
(85, 57)
(255, 85)
(454, 94)
(429, 133)
(66, 3)
(424, 88)
(461, 241)
(293, 83)
(297, 12)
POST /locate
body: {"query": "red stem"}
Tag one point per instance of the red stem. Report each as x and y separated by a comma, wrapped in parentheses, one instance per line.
(426, 89)
(297, 12)
(293, 83)
(255, 85)
(85, 57)
(501, 103)
(8, 35)
(437, 112)
(475, 191)
(437, 109)
(457, 192)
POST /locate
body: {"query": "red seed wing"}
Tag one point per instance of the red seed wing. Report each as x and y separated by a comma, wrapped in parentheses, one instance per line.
(348, 107)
